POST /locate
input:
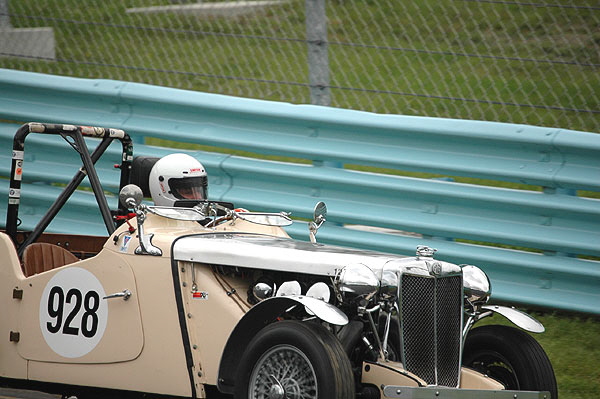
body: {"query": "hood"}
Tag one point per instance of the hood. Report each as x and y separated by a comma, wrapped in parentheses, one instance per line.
(256, 251)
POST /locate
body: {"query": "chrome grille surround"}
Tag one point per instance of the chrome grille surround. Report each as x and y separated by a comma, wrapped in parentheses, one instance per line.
(431, 318)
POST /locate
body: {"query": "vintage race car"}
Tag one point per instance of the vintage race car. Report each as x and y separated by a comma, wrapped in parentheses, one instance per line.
(203, 300)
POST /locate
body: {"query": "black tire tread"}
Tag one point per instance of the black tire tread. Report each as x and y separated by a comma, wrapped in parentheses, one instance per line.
(342, 368)
(526, 355)
(329, 350)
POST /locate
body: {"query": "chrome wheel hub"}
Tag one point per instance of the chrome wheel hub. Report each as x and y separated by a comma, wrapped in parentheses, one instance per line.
(283, 372)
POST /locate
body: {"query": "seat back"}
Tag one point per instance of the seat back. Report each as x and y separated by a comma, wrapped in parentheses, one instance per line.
(140, 172)
(40, 257)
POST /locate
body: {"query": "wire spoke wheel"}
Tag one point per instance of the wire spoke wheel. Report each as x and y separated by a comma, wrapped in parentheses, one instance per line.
(294, 360)
(496, 366)
(283, 372)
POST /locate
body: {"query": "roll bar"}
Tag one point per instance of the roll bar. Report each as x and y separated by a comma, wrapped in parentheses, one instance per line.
(74, 136)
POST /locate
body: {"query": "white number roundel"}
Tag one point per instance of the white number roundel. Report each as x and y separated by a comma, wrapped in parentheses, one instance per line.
(73, 314)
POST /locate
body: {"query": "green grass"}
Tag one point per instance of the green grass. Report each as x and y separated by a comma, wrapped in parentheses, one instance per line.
(201, 54)
(573, 345)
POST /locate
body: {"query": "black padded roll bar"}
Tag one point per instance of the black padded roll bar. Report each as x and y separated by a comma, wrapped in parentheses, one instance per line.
(74, 136)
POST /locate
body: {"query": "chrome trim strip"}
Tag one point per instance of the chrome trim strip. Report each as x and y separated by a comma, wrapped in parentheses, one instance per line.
(403, 392)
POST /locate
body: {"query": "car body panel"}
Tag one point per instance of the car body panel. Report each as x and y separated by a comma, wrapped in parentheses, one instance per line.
(103, 274)
(12, 365)
(216, 308)
(272, 253)
(142, 333)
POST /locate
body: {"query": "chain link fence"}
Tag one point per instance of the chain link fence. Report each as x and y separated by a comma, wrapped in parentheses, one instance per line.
(533, 62)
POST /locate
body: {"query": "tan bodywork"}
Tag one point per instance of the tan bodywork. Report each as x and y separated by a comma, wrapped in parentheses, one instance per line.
(386, 373)
(141, 347)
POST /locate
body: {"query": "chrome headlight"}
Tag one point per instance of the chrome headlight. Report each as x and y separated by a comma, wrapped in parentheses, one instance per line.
(476, 285)
(355, 282)
(262, 291)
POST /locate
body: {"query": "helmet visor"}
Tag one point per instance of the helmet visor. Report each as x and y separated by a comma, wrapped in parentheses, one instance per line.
(193, 188)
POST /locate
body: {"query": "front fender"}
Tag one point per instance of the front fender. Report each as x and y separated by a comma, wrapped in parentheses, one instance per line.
(260, 315)
(520, 319)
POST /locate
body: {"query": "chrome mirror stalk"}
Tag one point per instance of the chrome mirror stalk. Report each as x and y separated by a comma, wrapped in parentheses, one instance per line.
(131, 196)
(146, 247)
(319, 217)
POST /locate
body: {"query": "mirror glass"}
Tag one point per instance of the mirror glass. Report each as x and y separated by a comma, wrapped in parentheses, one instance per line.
(320, 212)
(131, 196)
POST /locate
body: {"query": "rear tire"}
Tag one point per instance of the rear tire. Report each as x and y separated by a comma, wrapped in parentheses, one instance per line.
(510, 356)
(292, 359)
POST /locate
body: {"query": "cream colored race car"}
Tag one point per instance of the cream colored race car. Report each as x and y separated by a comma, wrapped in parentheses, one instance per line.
(205, 300)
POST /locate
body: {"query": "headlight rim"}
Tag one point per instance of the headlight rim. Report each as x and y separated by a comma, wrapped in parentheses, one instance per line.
(356, 282)
(477, 286)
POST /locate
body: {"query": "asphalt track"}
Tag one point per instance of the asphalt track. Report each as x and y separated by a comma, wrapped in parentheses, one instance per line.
(9, 393)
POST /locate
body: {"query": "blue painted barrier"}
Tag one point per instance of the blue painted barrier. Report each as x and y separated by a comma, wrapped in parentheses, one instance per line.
(367, 210)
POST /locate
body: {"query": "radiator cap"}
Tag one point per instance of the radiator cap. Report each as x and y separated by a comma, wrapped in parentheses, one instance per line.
(425, 251)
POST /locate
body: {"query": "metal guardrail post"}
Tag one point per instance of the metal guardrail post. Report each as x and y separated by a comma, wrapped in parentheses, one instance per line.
(318, 60)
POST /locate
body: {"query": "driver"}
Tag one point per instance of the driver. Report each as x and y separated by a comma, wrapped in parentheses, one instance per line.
(177, 177)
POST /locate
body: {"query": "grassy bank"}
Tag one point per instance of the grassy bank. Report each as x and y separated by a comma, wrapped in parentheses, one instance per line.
(432, 57)
(572, 343)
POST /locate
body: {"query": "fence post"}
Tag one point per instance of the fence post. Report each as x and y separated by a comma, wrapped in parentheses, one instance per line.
(318, 61)
(4, 18)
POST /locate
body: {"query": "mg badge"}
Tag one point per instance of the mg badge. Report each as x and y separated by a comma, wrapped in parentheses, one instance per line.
(435, 268)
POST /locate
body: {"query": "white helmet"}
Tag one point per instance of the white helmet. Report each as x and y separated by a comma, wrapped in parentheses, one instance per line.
(177, 177)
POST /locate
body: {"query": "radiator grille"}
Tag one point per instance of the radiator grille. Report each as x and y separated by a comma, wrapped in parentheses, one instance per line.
(431, 328)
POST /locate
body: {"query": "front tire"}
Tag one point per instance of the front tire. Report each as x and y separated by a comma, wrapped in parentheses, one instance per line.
(295, 360)
(510, 356)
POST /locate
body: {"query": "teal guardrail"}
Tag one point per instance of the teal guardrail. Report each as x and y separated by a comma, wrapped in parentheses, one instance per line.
(557, 231)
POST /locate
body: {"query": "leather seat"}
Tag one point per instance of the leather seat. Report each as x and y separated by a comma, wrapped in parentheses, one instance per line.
(40, 257)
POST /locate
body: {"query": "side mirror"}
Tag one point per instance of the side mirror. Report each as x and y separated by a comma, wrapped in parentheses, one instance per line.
(131, 196)
(319, 217)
